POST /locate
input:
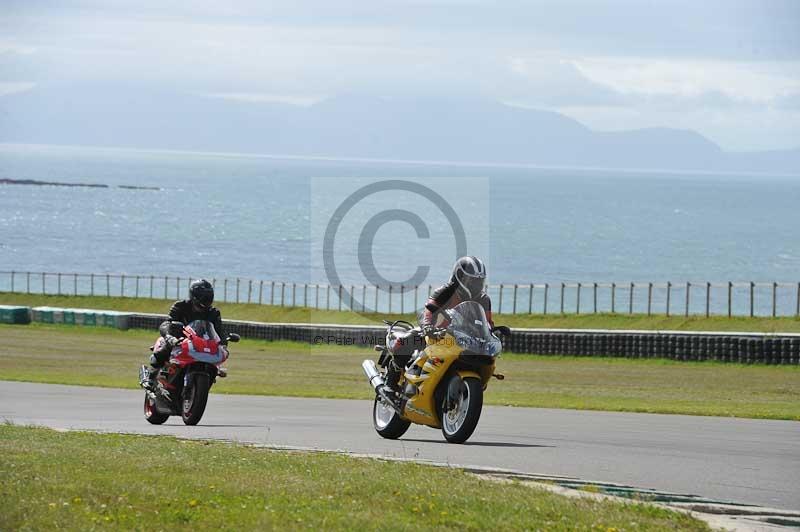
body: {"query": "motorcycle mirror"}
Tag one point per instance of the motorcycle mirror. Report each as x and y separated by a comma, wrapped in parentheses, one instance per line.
(502, 329)
(233, 337)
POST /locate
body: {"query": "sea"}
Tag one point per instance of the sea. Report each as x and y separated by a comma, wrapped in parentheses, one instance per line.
(354, 222)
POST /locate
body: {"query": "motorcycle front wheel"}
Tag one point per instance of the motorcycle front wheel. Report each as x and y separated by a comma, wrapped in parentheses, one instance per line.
(151, 414)
(195, 397)
(386, 421)
(461, 408)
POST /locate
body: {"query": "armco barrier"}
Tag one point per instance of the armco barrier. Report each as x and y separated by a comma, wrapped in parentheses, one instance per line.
(748, 348)
(12, 314)
(81, 316)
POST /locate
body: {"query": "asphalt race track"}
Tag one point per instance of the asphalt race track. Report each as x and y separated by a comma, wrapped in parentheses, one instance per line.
(739, 460)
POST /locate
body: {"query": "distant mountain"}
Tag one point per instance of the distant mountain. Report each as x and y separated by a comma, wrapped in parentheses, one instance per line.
(444, 129)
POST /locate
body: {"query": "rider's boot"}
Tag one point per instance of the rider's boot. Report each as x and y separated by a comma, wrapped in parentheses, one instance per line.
(392, 386)
(154, 369)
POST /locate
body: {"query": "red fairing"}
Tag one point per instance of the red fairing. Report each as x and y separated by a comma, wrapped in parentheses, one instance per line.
(200, 344)
(195, 348)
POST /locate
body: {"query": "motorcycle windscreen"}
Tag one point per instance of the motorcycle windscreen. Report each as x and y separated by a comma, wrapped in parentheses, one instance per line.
(470, 327)
(203, 342)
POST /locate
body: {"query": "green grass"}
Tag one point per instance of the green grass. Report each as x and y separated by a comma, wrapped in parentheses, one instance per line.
(98, 356)
(84, 481)
(303, 315)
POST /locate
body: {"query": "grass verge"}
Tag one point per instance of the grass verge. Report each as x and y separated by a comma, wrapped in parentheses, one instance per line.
(303, 315)
(108, 357)
(83, 481)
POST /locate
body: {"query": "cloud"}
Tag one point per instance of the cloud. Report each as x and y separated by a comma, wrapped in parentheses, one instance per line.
(13, 87)
(550, 81)
(260, 97)
(738, 81)
(657, 61)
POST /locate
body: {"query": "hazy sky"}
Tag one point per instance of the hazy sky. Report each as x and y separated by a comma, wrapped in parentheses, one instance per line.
(728, 69)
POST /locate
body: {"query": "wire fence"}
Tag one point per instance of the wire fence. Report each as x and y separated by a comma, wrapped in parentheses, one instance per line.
(664, 298)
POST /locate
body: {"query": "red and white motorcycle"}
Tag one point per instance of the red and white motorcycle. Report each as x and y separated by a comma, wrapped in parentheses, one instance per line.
(182, 385)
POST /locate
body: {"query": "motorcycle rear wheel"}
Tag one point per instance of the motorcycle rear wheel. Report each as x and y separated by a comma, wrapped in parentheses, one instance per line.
(387, 422)
(460, 419)
(151, 414)
(195, 398)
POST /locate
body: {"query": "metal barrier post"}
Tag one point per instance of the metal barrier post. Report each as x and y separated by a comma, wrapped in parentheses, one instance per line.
(237, 290)
(416, 299)
(272, 293)
(797, 311)
(340, 297)
(12, 280)
(75, 284)
(122, 285)
(613, 298)
(708, 298)
(43, 282)
(578, 299)
(137, 286)
(752, 297)
(59, 284)
(294, 293)
(669, 295)
(108, 285)
(28, 282)
(649, 298)
(363, 298)
(500, 302)
(151, 287)
(376, 297)
(546, 288)
(774, 298)
(562, 298)
(514, 305)
(530, 300)
(260, 292)
(594, 298)
(688, 291)
(91, 284)
(390, 299)
(283, 293)
(630, 300)
(402, 296)
(730, 298)
(249, 290)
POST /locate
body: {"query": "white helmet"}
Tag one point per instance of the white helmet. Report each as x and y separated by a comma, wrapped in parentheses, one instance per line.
(469, 273)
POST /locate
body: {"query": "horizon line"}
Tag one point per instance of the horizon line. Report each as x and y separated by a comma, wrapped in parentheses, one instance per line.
(410, 162)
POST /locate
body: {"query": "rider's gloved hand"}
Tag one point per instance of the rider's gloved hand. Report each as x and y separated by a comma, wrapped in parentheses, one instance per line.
(428, 329)
(172, 341)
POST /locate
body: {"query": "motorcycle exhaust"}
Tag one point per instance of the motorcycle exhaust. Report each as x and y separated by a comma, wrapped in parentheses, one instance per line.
(144, 377)
(373, 375)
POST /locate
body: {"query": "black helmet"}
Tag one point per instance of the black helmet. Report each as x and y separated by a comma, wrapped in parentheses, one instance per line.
(469, 273)
(201, 293)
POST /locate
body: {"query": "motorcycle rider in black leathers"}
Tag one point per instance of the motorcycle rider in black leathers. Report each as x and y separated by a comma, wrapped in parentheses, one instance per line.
(182, 313)
(467, 283)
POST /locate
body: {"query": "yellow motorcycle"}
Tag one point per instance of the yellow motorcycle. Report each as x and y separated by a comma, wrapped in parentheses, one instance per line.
(436, 379)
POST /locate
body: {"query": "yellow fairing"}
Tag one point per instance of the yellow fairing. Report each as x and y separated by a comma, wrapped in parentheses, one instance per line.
(434, 362)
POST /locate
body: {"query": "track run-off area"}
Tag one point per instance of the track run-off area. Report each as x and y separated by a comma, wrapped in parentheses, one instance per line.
(745, 461)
